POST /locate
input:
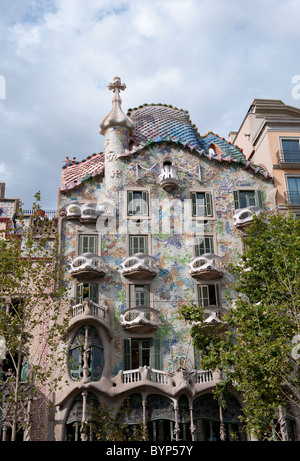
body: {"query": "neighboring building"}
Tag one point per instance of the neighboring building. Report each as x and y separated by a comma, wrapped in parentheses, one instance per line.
(270, 137)
(148, 224)
(33, 407)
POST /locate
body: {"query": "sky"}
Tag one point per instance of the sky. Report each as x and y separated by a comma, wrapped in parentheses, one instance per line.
(209, 57)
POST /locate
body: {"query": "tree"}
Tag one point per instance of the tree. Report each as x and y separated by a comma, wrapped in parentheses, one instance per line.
(256, 351)
(107, 426)
(31, 320)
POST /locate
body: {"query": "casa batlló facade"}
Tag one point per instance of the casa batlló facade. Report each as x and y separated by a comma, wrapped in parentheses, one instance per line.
(149, 224)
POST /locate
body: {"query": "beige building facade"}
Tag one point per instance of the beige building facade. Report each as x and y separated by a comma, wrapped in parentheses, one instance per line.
(270, 137)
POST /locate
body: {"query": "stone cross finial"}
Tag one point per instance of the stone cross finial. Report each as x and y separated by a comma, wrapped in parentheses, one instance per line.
(116, 117)
(116, 85)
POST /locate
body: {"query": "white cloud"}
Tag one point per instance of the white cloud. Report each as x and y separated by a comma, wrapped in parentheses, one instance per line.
(210, 57)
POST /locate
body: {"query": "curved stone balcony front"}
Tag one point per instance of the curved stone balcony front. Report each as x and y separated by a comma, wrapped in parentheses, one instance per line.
(206, 267)
(88, 266)
(214, 315)
(89, 311)
(168, 177)
(243, 217)
(140, 266)
(140, 319)
(174, 382)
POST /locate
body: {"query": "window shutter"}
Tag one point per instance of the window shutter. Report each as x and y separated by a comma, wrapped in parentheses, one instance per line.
(155, 353)
(130, 203)
(194, 203)
(127, 354)
(79, 293)
(93, 292)
(145, 203)
(259, 198)
(236, 199)
(208, 204)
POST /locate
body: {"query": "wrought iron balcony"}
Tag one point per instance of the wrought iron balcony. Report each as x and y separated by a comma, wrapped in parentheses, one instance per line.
(140, 319)
(244, 216)
(206, 267)
(140, 266)
(88, 266)
(168, 177)
(292, 198)
(288, 157)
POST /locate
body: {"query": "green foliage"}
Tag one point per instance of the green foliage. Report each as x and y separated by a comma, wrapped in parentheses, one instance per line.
(31, 296)
(255, 351)
(109, 427)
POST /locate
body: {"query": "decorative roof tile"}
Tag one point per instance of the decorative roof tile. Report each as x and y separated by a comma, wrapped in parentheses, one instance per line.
(154, 124)
(75, 172)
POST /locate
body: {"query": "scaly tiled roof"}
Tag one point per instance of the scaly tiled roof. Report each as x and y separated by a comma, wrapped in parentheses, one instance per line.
(75, 172)
(157, 123)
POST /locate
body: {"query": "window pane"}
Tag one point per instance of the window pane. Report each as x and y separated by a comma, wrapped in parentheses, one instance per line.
(203, 245)
(247, 198)
(138, 203)
(207, 295)
(88, 244)
(138, 244)
(291, 150)
(294, 189)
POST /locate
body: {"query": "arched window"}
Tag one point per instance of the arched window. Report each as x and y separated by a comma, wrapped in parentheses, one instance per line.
(86, 355)
(160, 418)
(206, 415)
(74, 422)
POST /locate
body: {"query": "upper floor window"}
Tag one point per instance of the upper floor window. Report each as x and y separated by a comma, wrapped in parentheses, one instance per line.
(204, 244)
(201, 204)
(246, 198)
(293, 192)
(88, 243)
(142, 352)
(139, 295)
(138, 244)
(208, 295)
(291, 150)
(87, 291)
(137, 203)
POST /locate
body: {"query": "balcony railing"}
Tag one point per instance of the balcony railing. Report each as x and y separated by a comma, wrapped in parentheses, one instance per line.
(288, 156)
(168, 177)
(141, 319)
(88, 265)
(206, 267)
(244, 216)
(144, 375)
(140, 266)
(292, 198)
(89, 308)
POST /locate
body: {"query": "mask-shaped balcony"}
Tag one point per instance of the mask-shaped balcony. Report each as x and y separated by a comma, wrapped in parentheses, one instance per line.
(214, 315)
(140, 266)
(88, 266)
(244, 216)
(206, 267)
(85, 212)
(168, 177)
(140, 319)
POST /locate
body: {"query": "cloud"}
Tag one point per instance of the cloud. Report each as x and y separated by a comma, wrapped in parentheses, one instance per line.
(210, 57)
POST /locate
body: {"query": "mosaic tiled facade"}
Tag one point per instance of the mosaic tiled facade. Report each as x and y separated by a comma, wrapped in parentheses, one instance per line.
(148, 224)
